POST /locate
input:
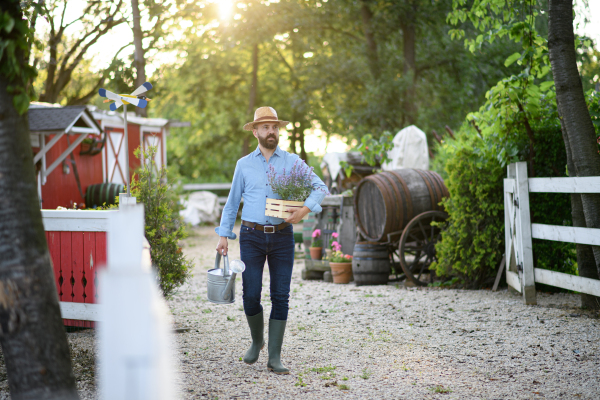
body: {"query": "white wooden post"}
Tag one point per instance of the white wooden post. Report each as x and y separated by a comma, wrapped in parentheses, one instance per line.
(126, 200)
(135, 329)
(525, 245)
(511, 235)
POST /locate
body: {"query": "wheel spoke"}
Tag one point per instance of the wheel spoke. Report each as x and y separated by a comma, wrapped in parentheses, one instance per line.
(422, 267)
(414, 237)
(422, 229)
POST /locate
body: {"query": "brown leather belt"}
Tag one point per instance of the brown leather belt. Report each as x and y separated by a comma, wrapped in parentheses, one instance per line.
(266, 228)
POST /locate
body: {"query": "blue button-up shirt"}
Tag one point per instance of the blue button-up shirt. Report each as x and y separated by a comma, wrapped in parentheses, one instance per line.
(250, 182)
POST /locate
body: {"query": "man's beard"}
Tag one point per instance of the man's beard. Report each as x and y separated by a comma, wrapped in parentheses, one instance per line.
(270, 145)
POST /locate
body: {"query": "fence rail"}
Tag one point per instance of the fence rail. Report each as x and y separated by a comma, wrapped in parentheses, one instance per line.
(519, 232)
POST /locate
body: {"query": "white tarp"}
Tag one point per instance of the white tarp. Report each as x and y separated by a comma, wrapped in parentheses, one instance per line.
(332, 162)
(410, 150)
(201, 207)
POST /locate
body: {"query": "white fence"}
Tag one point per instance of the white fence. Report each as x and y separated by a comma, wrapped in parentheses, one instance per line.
(135, 326)
(519, 232)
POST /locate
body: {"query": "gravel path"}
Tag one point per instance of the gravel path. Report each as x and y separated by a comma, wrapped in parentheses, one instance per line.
(376, 342)
(388, 342)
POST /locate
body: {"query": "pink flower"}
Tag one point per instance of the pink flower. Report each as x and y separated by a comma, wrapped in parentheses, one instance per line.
(334, 235)
(316, 233)
(348, 256)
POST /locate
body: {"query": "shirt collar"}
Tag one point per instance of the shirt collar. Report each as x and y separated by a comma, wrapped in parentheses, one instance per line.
(278, 152)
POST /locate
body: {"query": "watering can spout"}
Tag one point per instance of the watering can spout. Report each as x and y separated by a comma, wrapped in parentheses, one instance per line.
(227, 292)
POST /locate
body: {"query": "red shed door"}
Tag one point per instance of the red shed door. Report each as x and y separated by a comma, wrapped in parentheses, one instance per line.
(154, 139)
(115, 156)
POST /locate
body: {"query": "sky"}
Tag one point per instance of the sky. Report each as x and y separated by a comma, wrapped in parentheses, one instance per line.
(108, 45)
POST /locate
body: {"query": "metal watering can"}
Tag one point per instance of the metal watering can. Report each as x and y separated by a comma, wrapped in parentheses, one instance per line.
(221, 282)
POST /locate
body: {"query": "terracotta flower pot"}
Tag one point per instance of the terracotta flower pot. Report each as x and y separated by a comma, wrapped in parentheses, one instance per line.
(341, 272)
(316, 253)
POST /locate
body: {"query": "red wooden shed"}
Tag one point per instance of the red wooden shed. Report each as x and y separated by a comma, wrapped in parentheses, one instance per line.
(78, 146)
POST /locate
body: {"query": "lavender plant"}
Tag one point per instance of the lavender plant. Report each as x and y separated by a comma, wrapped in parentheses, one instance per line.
(295, 186)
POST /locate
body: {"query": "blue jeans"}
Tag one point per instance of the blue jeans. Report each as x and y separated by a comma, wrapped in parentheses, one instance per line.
(276, 248)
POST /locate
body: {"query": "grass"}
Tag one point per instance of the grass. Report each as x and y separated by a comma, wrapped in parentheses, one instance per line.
(440, 389)
(300, 381)
(343, 387)
(323, 370)
(230, 318)
(207, 311)
(366, 374)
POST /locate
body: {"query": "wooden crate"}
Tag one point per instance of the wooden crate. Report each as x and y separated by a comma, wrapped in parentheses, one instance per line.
(276, 208)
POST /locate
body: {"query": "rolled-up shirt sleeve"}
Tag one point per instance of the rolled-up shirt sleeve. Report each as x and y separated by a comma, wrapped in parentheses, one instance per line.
(233, 204)
(313, 202)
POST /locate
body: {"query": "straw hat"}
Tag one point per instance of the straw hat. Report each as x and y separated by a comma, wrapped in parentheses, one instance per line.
(265, 114)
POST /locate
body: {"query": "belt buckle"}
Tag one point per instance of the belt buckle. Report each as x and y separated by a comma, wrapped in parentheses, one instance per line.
(269, 226)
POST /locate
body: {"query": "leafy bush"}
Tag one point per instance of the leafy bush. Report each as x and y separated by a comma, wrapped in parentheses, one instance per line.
(474, 166)
(164, 227)
(473, 242)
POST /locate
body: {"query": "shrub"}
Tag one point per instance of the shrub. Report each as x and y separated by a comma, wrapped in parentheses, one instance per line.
(473, 241)
(164, 227)
(474, 167)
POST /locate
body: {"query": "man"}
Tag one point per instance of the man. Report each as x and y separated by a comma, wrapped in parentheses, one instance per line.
(265, 238)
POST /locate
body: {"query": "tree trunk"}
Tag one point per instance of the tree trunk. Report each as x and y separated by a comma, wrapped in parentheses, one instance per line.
(367, 16)
(586, 264)
(32, 335)
(578, 131)
(139, 55)
(252, 97)
(409, 36)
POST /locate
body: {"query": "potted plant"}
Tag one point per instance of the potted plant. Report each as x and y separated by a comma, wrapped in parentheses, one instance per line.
(340, 264)
(91, 145)
(316, 245)
(292, 189)
(331, 249)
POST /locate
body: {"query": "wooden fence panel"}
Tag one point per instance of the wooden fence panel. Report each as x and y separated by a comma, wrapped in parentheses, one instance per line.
(566, 281)
(520, 231)
(588, 184)
(568, 234)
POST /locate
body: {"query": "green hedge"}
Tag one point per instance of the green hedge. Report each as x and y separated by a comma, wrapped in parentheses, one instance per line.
(474, 168)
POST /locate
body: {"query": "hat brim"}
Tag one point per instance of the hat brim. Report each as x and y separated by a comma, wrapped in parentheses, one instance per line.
(250, 125)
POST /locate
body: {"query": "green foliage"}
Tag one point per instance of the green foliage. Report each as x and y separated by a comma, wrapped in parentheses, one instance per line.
(15, 39)
(474, 168)
(164, 227)
(374, 150)
(314, 69)
(472, 243)
(517, 122)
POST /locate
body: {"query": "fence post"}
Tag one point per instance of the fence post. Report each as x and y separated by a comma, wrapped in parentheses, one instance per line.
(523, 226)
(135, 345)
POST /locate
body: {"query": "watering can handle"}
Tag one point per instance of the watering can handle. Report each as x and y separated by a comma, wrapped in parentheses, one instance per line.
(225, 263)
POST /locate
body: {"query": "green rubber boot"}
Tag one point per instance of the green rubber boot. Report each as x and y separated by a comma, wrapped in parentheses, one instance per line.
(276, 332)
(257, 327)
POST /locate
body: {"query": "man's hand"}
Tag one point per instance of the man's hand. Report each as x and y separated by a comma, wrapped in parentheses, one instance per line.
(297, 215)
(222, 246)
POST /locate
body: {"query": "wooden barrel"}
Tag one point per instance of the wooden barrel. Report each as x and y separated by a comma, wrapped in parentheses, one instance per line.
(370, 264)
(386, 202)
(97, 195)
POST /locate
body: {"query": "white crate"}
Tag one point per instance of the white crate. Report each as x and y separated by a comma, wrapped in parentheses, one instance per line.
(277, 208)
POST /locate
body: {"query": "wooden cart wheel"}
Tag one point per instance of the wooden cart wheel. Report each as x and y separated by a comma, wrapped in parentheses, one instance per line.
(417, 246)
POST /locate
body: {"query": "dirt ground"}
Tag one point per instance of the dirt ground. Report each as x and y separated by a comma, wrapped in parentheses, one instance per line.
(375, 342)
